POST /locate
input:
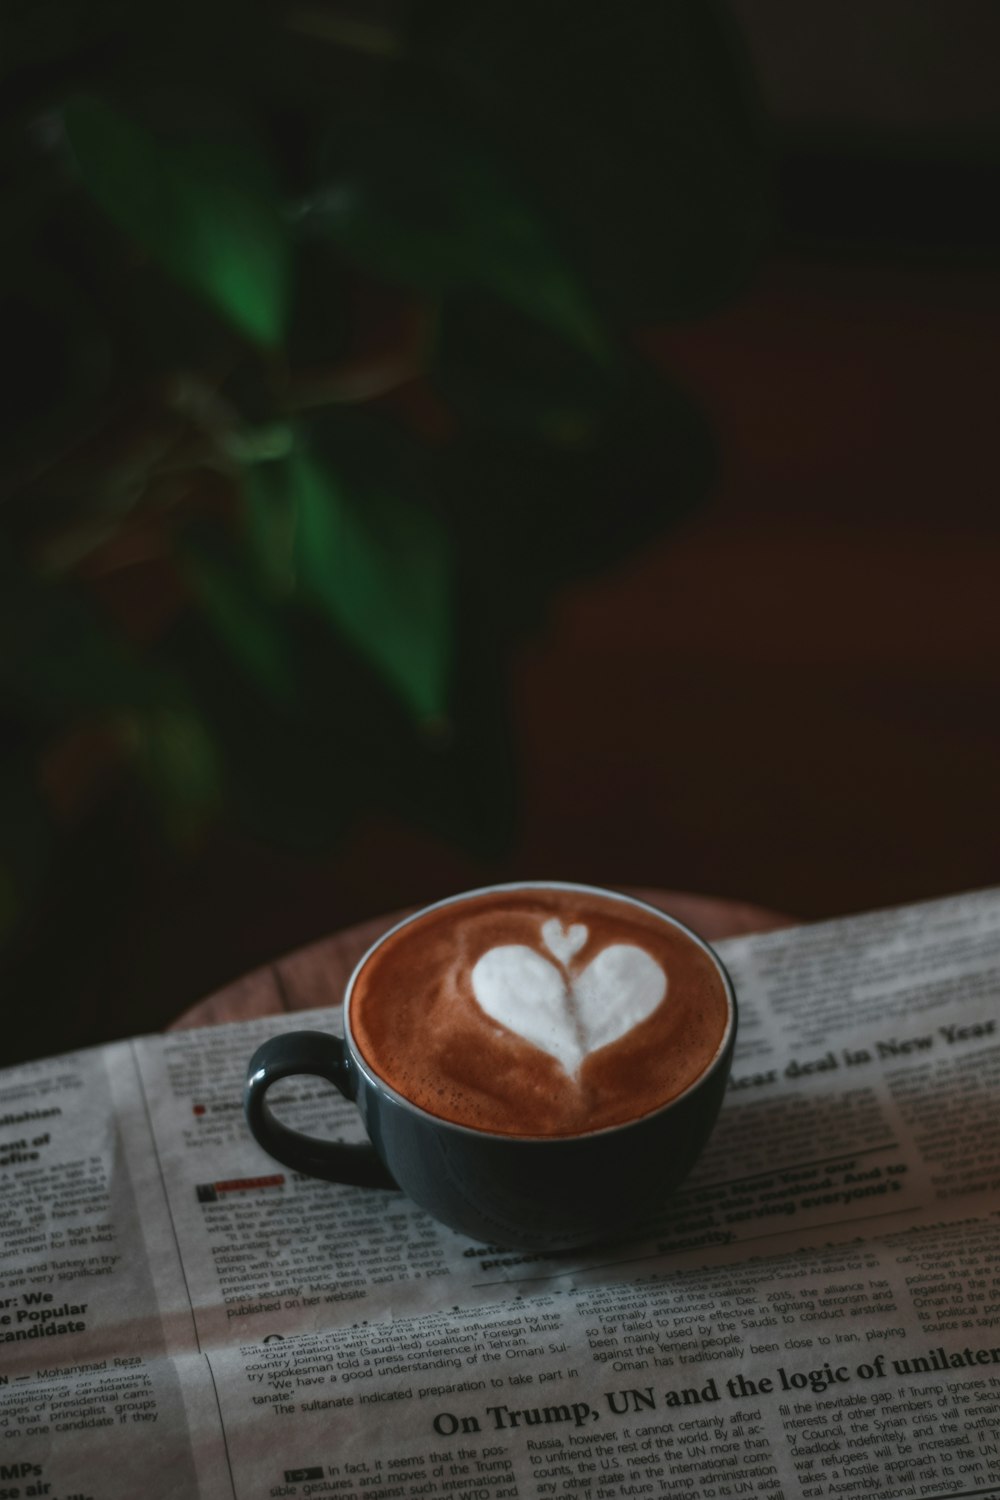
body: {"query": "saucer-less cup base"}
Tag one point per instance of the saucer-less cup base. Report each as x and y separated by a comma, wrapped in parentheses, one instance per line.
(529, 1192)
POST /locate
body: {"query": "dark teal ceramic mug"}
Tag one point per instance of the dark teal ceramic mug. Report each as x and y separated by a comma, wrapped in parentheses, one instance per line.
(538, 1065)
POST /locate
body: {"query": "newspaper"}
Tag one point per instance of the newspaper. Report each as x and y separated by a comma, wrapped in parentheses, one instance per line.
(816, 1313)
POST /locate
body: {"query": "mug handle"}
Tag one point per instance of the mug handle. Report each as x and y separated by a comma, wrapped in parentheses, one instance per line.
(318, 1055)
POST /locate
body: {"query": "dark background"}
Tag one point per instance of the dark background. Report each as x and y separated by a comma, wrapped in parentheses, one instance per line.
(791, 698)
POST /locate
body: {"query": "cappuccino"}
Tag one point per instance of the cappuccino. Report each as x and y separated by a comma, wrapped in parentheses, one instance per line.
(539, 1011)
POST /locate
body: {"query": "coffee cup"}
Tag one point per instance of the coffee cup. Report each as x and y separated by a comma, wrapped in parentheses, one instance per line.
(538, 1064)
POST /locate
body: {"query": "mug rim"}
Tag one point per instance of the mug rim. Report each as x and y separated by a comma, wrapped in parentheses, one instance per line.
(377, 1081)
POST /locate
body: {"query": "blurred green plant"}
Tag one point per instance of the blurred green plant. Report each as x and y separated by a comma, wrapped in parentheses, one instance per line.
(319, 325)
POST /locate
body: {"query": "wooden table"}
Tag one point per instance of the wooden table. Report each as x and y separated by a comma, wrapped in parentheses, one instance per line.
(316, 975)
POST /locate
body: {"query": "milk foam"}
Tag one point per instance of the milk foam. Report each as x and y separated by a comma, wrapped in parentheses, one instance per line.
(539, 1010)
(568, 1016)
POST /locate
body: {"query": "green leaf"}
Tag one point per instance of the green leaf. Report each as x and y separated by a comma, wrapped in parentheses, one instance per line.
(637, 126)
(248, 629)
(379, 568)
(269, 506)
(204, 205)
(428, 210)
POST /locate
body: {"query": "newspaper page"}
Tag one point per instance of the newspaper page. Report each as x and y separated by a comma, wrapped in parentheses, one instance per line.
(817, 1313)
(101, 1383)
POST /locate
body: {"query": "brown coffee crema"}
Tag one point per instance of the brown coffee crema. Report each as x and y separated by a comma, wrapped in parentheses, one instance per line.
(418, 1023)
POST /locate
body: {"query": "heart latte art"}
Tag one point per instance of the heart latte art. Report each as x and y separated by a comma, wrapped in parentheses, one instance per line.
(539, 1010)
(564, 1016)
